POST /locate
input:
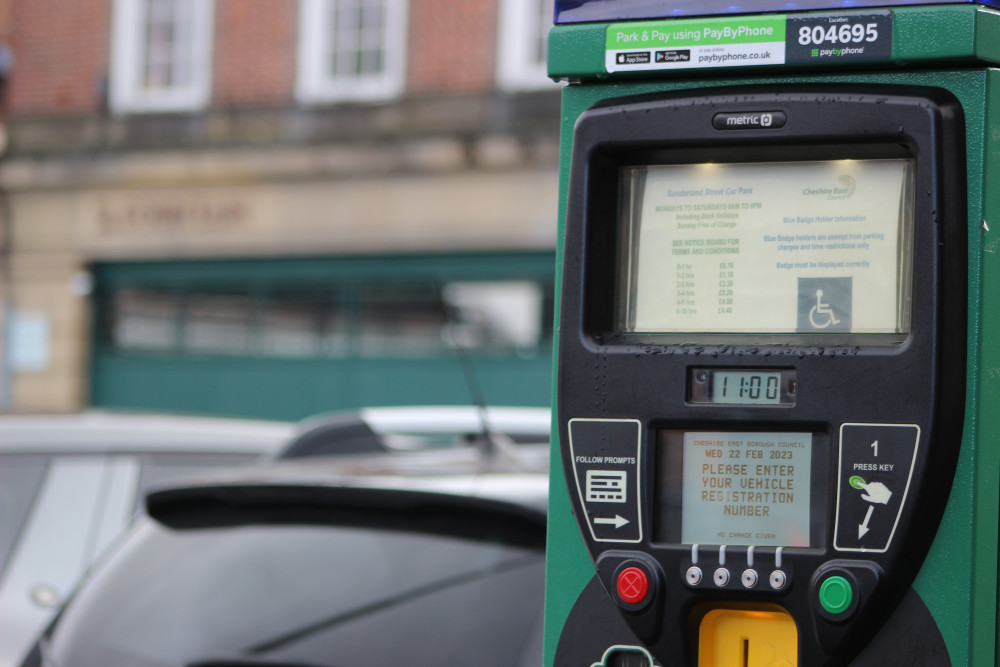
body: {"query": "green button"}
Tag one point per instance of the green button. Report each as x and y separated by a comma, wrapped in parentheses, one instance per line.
(836, 594)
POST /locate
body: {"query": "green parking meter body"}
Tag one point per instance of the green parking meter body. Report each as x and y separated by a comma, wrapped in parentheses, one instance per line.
(776, 375)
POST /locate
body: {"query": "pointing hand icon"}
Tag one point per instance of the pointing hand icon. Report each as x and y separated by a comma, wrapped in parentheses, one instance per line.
(876, 492)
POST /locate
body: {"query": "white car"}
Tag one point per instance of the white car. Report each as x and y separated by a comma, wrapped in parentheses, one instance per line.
(372, 430)
(69, 484)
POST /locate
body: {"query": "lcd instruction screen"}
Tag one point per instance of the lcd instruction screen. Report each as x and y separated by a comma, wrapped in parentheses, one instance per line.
(766, 247)
(734, 488)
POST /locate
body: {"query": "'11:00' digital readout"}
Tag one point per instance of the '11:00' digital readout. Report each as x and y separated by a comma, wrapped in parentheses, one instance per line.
(749, 387)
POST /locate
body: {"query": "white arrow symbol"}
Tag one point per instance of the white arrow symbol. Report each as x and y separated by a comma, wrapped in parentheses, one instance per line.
(863, 527)
(617, 522)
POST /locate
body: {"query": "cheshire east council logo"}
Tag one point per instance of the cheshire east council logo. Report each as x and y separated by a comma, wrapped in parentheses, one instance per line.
(843, 190)
(846, 190)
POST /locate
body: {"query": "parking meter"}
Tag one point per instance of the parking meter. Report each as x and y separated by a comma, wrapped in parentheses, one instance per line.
(776, 389)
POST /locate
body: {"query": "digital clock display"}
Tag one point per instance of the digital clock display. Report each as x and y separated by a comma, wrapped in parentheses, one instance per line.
(727, 386)
(742, 387)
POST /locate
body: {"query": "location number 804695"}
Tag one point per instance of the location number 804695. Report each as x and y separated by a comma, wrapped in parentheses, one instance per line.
(844, 33)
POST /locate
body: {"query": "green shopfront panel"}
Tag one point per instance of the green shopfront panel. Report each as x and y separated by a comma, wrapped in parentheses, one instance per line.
(288, 338)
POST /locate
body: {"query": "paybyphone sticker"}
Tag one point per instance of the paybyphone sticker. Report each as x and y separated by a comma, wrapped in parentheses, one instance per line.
(833, 38)
(747, 41)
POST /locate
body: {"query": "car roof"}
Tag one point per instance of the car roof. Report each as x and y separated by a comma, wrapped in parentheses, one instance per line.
(458, 418)
(106, 432)
(413, 427)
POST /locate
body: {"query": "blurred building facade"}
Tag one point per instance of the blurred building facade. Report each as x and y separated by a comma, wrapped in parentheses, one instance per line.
(276, 207)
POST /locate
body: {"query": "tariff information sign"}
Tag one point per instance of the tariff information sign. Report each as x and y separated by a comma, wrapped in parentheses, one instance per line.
(746, 488)
(753, 248)
(747, 41)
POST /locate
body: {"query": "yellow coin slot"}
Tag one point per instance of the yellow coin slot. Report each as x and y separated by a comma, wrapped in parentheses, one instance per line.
(747, 638)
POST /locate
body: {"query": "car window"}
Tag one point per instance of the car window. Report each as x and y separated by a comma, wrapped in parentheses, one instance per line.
(317, 595)
(21, 476)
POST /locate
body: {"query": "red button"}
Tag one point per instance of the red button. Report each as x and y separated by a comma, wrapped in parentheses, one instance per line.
(633, 585)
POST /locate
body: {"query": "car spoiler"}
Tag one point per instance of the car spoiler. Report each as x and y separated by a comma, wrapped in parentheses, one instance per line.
(460, 516)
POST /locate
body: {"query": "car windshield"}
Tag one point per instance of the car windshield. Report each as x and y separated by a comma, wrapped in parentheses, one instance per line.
(303, 595)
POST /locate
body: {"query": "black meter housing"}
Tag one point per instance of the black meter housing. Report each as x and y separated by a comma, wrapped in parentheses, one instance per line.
(842, 408)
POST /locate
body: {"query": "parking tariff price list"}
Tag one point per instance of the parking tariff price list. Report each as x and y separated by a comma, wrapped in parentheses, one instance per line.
(698, 228)
(686, 290)
(727, 275)
(693, 295)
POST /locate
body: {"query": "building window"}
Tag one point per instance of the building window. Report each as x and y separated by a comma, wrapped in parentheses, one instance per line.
(351, 50)
(523, 42)
(300, 322)
(161, 55)
(401, 320)
(145, 319)
(372, 319)
(220, 322)
(501, 315)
